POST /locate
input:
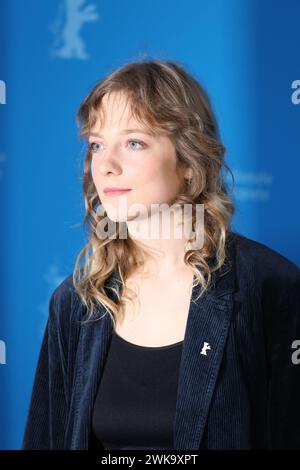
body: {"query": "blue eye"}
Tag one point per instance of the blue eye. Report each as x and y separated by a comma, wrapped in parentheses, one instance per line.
(93, 149)
(91, 146)
(137, 142)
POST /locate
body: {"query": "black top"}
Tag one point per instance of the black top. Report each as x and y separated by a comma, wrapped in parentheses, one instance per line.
(136, 398)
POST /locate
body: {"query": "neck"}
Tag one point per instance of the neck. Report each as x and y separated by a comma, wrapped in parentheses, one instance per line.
(163, 236)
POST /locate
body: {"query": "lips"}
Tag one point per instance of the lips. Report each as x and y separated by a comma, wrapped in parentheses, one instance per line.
(115, 192)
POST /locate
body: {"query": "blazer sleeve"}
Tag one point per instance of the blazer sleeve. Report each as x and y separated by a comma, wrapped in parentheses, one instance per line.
(46, 416)
(284, 366)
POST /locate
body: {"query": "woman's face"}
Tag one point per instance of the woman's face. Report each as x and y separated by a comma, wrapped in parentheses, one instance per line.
(133, 160)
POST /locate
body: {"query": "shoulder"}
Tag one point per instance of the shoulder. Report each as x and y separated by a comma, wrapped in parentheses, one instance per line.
(263, 265)
(62, 295)
(65, 306)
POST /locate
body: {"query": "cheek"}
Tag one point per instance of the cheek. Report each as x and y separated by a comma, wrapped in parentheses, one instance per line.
(163, 175)
(160, 185)
(93, 167)
(94, 171)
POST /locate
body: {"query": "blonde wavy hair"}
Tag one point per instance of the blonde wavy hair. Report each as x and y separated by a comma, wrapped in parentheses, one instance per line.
(168, 100)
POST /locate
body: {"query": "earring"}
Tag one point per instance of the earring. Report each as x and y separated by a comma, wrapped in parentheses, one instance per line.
(189, 181)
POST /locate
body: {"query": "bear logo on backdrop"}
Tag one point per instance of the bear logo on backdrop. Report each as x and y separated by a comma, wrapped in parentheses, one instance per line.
(72, 15)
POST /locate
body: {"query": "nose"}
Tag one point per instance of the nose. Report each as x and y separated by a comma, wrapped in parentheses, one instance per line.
(108, 163)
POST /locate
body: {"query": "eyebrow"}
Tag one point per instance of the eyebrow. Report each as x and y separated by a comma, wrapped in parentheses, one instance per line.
(124, 131)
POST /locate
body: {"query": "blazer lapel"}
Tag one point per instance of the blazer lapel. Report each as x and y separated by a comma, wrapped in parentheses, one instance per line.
(204, 341)
(92, 349)
(203, 346)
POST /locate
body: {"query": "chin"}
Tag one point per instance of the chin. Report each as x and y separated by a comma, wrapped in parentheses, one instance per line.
(117, 216)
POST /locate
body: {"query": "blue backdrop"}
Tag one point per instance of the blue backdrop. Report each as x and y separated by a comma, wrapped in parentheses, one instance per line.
(244, 52)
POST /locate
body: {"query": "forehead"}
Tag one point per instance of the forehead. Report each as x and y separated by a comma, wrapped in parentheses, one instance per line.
(115, 111)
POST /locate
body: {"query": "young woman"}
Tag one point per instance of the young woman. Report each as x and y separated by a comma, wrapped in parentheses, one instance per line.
(164, 341)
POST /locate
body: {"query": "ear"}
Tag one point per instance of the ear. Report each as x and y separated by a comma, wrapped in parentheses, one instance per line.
(188, 174)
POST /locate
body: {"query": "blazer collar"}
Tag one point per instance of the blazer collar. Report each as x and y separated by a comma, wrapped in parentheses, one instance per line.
(207, 326)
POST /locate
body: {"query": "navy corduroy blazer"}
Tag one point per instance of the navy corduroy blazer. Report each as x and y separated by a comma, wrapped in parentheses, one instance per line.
(244, 393)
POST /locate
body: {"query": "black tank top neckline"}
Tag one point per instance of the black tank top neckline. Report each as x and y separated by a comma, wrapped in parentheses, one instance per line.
(138, 346)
